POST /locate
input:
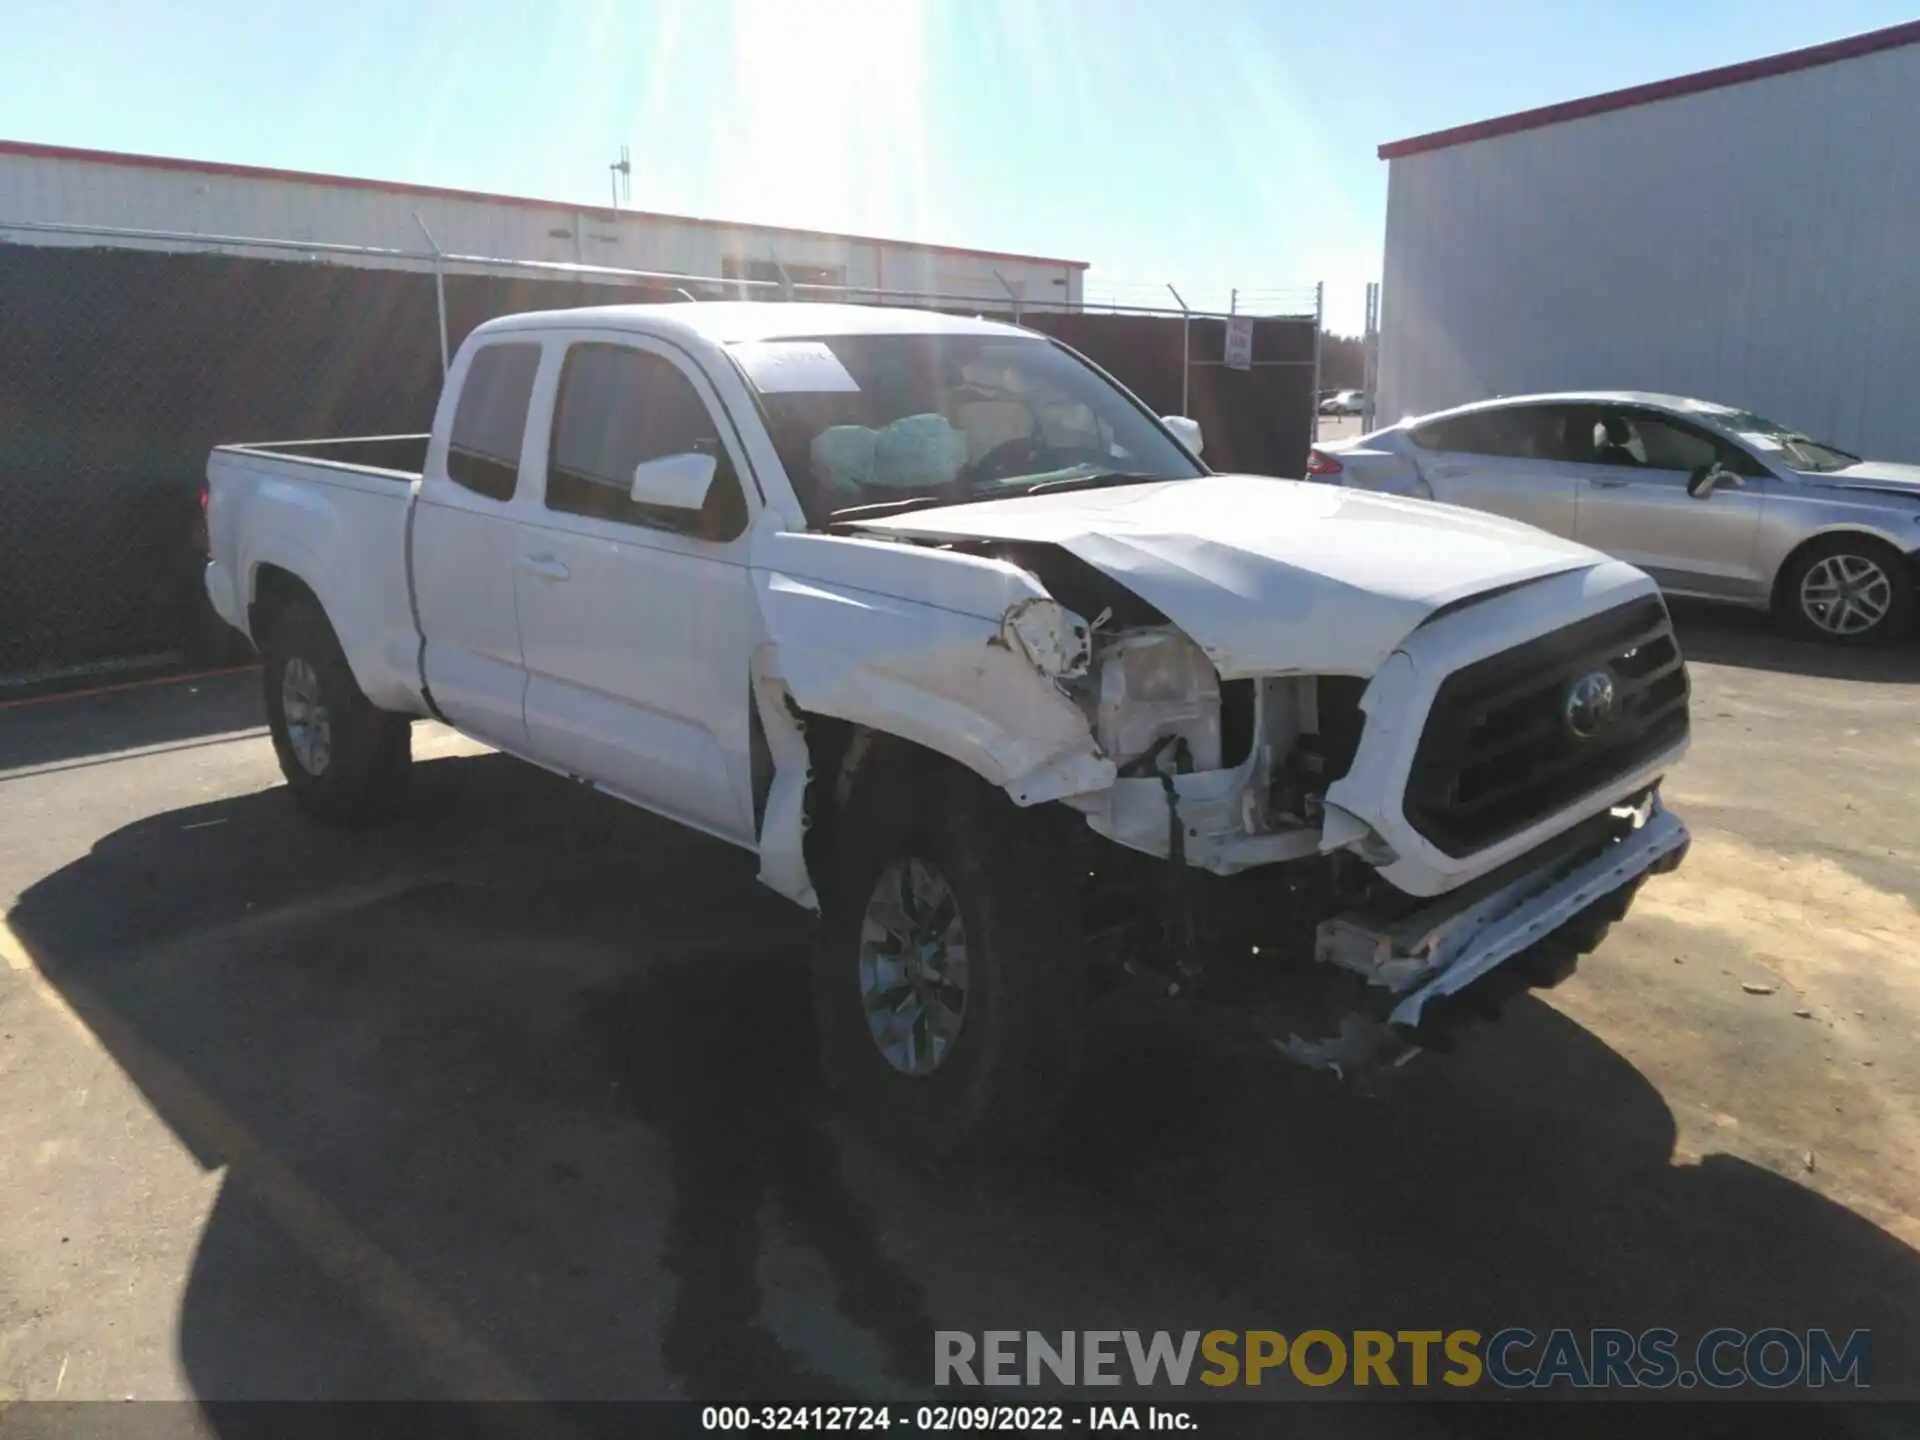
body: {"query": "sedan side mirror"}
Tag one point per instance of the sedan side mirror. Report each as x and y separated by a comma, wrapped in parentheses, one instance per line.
(674, 482)
(1186, 431)
(1704, 481)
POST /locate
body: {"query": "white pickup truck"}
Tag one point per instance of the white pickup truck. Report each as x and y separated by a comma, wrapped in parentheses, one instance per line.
(978, 658)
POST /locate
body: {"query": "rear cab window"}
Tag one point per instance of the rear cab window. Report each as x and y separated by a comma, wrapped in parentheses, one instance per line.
(490, 420)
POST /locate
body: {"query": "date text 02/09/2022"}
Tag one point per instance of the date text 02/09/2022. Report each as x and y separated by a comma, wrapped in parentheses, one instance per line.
(938, 1419)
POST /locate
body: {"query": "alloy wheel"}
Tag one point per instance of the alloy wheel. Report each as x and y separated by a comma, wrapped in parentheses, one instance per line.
(913, 967)
(1846, 594)
(309, 724)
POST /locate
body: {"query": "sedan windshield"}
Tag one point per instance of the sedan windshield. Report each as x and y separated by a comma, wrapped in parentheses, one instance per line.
(1783, 442)
(900, 421)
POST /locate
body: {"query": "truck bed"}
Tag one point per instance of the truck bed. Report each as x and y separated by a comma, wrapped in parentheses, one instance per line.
(398, 457)
(331, 515)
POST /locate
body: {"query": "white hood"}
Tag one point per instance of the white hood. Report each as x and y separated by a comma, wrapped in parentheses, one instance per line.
(1271, 576)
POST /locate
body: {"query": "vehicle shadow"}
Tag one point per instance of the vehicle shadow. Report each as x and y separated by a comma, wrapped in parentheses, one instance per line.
(68, 731)
(516, 1098)
(1729, 635)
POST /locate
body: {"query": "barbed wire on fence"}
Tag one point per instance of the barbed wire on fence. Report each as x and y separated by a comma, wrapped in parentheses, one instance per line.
(1120, 296)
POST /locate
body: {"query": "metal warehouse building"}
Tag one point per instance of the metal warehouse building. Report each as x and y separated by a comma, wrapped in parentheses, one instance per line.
(1749, 235)
(54, 185)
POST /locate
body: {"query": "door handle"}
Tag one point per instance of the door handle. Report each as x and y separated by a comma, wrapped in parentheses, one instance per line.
(1607, 482)
(1449, 472)
(544, 566)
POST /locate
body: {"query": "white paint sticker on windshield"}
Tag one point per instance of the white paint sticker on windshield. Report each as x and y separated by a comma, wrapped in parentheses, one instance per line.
(793, 367)
(1759, 441)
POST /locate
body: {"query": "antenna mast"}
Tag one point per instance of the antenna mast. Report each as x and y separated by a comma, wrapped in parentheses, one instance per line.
(620, 174)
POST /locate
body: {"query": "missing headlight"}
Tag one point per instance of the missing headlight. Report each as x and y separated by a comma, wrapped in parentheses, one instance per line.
(1154, 684)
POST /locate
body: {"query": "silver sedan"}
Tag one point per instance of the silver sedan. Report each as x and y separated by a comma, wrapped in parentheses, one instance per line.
(1711, 501)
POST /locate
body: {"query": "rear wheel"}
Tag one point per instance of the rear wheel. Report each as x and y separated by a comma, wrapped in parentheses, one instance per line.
(344, 760)
(948, 980)
(1847, 590)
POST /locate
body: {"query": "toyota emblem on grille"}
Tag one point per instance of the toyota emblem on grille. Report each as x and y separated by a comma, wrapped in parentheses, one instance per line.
(1590, 705)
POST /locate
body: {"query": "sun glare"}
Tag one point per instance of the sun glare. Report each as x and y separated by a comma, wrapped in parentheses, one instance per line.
(830, 127)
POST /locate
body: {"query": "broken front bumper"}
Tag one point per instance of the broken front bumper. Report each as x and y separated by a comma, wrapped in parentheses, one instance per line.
(1442, 949)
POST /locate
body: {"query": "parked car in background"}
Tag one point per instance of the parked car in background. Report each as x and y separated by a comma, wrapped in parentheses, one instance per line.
(1344, 402)
(1711, 501)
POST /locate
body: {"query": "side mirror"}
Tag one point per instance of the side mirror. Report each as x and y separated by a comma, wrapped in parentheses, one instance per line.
(1186, 431)
(674, 482)
(1704, 481)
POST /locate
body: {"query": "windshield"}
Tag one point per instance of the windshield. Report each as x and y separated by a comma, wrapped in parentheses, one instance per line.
(905, 420)
(1783, 443)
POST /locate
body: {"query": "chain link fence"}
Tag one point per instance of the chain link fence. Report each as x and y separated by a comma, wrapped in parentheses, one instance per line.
(121, 367)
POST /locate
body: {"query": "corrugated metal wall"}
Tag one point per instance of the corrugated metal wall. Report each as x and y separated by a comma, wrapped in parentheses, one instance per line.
(1758, 245)
(92, 192)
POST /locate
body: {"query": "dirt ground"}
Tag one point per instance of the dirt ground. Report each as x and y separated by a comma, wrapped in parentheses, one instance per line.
(513, 1098)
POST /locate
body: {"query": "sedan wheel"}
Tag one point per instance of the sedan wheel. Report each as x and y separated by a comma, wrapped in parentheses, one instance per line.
(1846, 595)
(1847, 590)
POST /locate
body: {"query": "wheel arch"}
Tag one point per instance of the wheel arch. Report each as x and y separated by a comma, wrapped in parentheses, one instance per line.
(1908, 560)
(801, 786)
(271, 588)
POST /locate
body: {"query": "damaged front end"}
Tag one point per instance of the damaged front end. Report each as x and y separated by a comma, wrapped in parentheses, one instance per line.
(1461, 957)
(1213, 867)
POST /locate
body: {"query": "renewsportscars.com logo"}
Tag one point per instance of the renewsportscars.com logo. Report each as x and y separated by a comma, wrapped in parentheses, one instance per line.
(1513, 1359)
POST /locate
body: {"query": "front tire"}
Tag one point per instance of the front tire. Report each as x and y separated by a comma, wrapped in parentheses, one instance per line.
(1847, 590)
(345, 760)
(948, 980)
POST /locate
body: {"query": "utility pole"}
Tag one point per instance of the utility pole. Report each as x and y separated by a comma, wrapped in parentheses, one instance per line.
(620, 176)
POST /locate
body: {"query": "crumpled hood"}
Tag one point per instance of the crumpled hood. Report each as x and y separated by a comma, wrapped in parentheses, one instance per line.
(1880, 475)
(1271, 576)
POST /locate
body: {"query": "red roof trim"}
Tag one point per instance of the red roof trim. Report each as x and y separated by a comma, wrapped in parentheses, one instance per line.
(1850, 48)
(353, 182)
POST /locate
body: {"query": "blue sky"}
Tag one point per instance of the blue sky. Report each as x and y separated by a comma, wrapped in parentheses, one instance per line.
(1212, 143)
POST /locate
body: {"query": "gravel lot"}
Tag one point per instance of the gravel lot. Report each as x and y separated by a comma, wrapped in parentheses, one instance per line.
(513, 1097)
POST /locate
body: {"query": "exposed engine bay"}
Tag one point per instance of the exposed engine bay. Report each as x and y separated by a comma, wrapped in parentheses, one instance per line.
(1209, 876)
(1224, 775)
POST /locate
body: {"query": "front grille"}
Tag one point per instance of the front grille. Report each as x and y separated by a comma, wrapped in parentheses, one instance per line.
(1498, 753)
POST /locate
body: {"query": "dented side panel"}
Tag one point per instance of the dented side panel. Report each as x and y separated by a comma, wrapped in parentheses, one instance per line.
(957, 672)
(783, 822)
(941, 679)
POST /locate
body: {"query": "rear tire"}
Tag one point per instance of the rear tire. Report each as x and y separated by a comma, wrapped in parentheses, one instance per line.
(345, 760)
(990, 886)
(1828, 591)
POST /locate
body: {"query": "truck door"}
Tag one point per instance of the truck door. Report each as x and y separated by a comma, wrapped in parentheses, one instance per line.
(463, 548)
(638, 626)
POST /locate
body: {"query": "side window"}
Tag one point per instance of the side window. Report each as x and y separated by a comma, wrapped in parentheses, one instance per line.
(1673, 447)
(1443, 434)
(617, 407)
(1742, 462)
(1566, 433)
(1637, 440)
(483, 452)
(1523, 433)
